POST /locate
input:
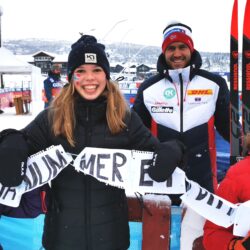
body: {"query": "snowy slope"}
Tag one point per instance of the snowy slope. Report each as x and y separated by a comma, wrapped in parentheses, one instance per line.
(9, 119)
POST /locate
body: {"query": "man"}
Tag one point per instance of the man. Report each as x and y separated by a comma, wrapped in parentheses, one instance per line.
(52, 84)
(185, 102)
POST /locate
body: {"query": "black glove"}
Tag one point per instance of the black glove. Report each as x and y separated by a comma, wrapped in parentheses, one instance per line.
(240, 243)
(166, 158)
(13, 157)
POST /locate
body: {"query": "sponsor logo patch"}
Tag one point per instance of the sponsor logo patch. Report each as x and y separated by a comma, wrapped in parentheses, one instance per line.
(161, 103)
(169, 93)
(200, 92)
(162, 109)
(90, 58)
(197, 99)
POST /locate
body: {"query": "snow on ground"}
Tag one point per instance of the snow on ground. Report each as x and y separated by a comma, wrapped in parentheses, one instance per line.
(9, 119)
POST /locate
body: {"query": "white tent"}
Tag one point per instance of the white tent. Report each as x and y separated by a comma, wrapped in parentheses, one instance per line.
(10, 64)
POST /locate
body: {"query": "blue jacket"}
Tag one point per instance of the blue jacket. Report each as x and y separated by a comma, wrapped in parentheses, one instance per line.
(52, 84)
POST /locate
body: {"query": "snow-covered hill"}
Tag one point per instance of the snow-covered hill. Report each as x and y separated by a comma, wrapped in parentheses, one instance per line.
(118, 52)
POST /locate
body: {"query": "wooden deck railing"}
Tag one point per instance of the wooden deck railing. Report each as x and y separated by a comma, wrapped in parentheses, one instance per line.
(155, 214)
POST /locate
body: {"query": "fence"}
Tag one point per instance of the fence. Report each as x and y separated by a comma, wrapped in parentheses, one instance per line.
(154, 224)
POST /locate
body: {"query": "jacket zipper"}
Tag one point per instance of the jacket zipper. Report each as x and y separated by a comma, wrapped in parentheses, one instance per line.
(181, 102)
(87, 185)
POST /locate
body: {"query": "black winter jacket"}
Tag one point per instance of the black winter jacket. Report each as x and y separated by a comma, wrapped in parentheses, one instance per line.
(85, 214)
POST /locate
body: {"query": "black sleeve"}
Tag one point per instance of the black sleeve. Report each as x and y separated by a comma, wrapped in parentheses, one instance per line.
(140, 136)
(38, 133)
(222, 112)
(140, 108)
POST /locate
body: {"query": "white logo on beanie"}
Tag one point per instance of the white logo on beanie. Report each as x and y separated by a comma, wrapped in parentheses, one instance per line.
(174, 29)
(172, 37)
(90, 58)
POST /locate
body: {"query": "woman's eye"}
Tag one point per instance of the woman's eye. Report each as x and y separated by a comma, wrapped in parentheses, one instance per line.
(98, 70)
(79, 71)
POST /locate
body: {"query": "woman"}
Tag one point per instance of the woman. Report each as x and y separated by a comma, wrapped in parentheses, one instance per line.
(91, 112)
(235, 188)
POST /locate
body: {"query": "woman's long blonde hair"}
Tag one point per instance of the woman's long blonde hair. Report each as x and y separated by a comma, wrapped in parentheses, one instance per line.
(62, 114)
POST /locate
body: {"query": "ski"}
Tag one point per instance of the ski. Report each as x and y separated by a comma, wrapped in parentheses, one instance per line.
(235, 148)
(246, 70)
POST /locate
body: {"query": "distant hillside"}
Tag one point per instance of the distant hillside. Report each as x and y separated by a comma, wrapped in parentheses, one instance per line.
(118, 52)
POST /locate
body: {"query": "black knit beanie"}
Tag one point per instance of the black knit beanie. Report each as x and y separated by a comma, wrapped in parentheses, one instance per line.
(87, 51)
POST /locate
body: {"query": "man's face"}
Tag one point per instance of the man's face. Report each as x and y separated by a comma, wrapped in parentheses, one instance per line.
(177, 55)
(57, 71)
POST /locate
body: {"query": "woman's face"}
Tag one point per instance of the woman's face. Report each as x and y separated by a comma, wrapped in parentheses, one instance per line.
(89, 81)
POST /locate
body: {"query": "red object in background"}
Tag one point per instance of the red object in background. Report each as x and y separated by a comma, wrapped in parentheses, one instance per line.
(131, 100)
(7, 96)
(138, 84)
(155, 217)
(5, 100)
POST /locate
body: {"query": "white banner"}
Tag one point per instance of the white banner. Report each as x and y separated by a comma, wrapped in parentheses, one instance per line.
(210, 206)
(127, 169)
(41, 168)
(242, 220)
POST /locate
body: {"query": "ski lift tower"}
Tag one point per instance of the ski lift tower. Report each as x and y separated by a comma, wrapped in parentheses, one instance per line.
(1, 13)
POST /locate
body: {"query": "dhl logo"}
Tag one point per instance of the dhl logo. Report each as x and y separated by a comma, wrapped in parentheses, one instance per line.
(200, 92)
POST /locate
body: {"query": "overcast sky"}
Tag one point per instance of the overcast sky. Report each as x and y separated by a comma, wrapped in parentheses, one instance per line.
(133, 21)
